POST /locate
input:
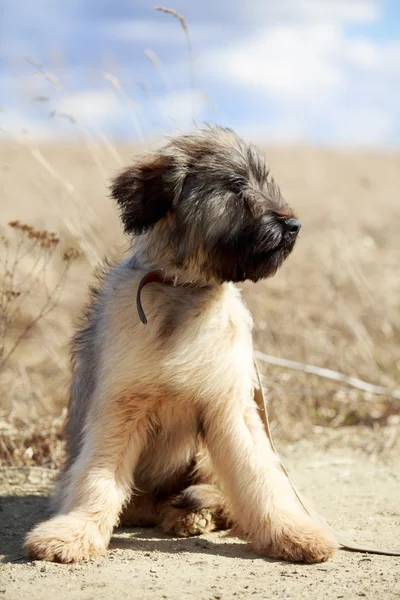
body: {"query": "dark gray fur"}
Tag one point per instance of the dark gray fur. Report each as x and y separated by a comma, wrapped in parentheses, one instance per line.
(227, 216)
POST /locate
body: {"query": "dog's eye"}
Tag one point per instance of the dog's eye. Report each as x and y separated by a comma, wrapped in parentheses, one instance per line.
(235, 184)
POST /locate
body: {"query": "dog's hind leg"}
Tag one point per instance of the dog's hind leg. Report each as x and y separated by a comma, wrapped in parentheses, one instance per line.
(197, 509)
(184, 499)
(142, 510)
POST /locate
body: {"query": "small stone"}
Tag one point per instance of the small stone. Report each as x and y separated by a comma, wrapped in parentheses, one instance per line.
(153, 570)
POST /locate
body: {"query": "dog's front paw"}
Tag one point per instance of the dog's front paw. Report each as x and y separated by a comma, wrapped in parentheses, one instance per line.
(297, 539)
(300, 539)
(65, 539)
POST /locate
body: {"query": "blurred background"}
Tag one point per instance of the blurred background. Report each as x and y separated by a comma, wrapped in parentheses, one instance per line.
(84, 85)
(319, 71)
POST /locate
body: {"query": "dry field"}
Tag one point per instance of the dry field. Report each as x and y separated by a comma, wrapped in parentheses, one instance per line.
(335, 304)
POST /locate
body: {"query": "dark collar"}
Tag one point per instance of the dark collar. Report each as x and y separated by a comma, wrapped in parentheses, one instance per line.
(155, 277)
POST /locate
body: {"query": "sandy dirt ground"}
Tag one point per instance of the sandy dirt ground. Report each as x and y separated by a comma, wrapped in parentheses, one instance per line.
(358, 493)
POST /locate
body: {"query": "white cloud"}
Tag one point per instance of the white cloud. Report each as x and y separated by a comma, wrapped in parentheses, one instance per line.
(293, 69)
(91, 107)
(291, 62)
(363, 54)
(319, 77)
(302, 62)
(350, 11)
(179, 107)
(291, 130)
(368, 55)
(96, 111)
(363, 126)
(143, 31)
(267, 12)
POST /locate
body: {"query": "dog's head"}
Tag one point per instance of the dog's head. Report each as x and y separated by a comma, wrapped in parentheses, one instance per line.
(209, 207)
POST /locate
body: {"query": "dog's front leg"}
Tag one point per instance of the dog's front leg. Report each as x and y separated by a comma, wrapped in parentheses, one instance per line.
(98, 484)
(262, 500)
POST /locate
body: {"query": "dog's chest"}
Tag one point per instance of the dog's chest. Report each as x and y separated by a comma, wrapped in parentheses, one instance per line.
(205, 318)
(210, 346)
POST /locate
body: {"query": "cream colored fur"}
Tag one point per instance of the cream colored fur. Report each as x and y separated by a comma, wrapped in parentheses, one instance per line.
(155, 384)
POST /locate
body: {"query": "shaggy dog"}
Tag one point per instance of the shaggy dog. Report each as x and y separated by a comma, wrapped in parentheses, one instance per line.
(163, 428)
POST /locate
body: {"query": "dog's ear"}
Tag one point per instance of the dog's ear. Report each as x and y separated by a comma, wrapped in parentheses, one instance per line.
(143, 193)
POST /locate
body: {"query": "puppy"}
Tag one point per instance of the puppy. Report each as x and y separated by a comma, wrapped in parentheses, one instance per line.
(163, 428)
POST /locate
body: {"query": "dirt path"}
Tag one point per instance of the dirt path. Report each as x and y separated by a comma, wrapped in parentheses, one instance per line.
(357, 494)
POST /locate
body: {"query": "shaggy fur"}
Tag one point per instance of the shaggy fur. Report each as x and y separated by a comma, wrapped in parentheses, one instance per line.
(163, 428)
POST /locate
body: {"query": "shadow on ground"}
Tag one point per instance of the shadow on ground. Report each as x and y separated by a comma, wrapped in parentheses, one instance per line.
(18, 514)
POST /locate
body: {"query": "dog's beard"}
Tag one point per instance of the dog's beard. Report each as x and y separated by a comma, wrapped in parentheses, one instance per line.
(264, 266)
(250, 257)
(261, 266)
(223, 266)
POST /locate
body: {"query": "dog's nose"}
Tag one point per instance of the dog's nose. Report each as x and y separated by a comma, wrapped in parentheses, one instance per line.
(293, 226)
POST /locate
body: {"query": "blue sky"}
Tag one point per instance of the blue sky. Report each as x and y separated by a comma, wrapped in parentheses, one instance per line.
(288, 71)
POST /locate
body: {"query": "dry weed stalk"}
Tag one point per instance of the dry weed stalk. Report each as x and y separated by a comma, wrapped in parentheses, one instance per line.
(88, 140)
(16, 287)
(28, 443)
(182, 21)
(42, 73)
(86, 239)
(355, 382)
(157, 64)
(127, 102)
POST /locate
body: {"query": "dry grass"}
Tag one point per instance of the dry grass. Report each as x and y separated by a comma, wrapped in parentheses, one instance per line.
(21, 288)
(334, 304)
